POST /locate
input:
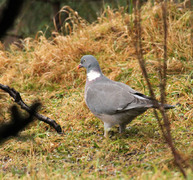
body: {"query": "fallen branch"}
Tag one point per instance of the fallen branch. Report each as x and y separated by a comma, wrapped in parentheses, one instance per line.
(16, 96)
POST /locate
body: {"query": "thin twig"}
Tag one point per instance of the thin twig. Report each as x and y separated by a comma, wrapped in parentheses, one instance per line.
(13, 93)
(163, 77)
(139, 52)
(177, 157)
(165, 128)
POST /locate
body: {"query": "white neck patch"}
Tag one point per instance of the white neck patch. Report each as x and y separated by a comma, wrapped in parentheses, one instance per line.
(92, 75)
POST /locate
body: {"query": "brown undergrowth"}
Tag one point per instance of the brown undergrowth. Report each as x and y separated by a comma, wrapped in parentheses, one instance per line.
(54, 60)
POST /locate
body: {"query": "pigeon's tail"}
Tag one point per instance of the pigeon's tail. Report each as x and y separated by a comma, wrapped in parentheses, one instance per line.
(166, 106)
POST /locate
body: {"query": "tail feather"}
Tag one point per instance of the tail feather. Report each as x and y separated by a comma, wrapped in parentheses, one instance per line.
(167, 106)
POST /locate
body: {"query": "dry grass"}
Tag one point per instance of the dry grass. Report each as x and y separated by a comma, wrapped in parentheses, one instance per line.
(45, 69)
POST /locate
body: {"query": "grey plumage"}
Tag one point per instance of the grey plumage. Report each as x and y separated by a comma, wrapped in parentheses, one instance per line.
(113, 102)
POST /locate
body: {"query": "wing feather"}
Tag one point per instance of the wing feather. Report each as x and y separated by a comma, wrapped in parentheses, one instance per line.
(109, 97)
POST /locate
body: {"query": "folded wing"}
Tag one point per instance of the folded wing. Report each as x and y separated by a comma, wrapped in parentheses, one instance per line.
(109, 97)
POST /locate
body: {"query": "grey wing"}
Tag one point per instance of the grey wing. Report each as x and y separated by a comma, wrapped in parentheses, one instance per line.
(110, 98)
(132, 91)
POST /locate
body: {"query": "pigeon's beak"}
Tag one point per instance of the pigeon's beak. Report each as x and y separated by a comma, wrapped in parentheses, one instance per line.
(79, 66)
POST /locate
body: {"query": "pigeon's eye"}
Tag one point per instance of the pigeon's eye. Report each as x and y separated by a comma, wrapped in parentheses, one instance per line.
(84, 60)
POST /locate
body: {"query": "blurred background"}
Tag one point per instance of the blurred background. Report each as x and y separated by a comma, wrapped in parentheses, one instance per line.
(42, 15)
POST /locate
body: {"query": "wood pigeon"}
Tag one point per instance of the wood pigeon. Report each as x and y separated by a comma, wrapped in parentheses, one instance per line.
(113, 102)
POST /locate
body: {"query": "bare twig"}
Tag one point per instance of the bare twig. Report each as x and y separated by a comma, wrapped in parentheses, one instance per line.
(163, 77)
(165, 126)
(13, 93)
(139, 52)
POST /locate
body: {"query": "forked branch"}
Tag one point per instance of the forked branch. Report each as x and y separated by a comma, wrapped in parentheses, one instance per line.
(16, 96)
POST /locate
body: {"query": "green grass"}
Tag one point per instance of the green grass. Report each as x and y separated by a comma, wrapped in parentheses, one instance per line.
(82, 151)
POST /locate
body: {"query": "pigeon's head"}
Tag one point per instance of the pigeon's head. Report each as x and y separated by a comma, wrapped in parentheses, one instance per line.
(90, 63)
